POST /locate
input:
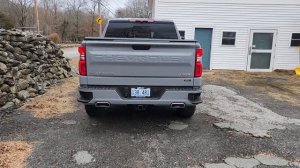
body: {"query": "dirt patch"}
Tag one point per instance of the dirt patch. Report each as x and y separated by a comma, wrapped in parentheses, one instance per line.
(281, 85)
(58, 100)
(14, 154)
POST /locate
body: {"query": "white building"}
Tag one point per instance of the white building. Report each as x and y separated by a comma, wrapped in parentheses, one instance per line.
(250, 35)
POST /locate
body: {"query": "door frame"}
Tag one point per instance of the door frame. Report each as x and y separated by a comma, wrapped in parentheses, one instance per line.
(249, 53)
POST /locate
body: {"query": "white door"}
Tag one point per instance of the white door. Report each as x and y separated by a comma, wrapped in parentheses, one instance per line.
(261, 50)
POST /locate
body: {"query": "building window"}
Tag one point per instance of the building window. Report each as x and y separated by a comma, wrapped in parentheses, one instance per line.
(295, 40)
(228, 38)
(182, 34)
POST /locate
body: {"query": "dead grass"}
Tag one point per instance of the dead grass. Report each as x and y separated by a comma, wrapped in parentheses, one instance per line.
(14, 154)
(281, 85)
(57, 101)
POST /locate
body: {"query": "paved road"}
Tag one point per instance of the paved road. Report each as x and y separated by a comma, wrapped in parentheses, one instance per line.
(230, 123)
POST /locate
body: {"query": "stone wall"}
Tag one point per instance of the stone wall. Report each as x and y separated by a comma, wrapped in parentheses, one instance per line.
(28, 63)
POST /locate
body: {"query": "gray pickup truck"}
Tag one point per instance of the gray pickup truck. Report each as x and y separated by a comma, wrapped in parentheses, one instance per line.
(140, 63)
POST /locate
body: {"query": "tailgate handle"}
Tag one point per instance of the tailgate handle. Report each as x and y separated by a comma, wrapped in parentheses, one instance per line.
(141, 47)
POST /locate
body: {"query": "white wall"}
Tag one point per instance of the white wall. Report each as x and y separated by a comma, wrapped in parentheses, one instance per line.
(287, 57)
(239, 16)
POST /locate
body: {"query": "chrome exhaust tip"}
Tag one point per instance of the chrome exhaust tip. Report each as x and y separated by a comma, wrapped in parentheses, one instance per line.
(102, 104)
(177, 105)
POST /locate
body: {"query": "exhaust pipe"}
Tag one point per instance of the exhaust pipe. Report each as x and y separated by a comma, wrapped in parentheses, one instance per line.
(177, 105)
(102, 104)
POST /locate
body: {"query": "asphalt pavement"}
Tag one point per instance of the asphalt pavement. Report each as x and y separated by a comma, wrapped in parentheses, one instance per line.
(233, 126)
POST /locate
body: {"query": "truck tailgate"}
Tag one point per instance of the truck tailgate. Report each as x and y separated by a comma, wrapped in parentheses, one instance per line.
(134, 58)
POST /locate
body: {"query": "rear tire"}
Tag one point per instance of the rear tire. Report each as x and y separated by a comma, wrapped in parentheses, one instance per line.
(91, 110)
(187, 112)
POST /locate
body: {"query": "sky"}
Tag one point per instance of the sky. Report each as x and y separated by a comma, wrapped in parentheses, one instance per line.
(113, 5)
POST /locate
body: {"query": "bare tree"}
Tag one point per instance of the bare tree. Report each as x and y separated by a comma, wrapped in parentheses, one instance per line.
(75, 8)
(92, 12)
(71, 19)
(134, 9)
(22, 9)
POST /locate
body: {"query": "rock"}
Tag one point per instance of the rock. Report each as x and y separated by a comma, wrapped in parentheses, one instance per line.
(14, 71)
(3, 98)
(1, 80)
(242, 162)
(9, 48)
(23, 66)
(65, 73)
(32, 90)
(13, 62)
(8, 106)
(25, 71)
(40, 87)
(22, 39)
(16, 101)
(271, 160)
(3, 59)
(53, 70)
(28, 63)
(22, 58)
(18, 50)
(49, 75)
(9, 81)
(30, 80)
(22, 84)
(5, 88)
(3, 68)
(23, 95)
(13, 89)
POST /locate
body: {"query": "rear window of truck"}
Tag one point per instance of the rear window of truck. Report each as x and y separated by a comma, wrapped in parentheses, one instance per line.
(151, 30)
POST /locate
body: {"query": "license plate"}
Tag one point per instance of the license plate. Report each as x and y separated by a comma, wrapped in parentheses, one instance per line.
(140, 92)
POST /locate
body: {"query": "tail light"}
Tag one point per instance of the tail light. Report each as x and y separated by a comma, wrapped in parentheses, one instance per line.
(82, 61)
(198, 63)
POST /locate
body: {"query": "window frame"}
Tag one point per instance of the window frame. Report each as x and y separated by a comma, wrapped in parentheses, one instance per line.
(294, 39)
(229, 38)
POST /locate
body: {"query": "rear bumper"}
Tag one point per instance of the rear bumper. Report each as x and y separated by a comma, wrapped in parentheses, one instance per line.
(92, 95)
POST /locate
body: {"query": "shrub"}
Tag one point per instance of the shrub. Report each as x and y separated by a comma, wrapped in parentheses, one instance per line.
(54, 37)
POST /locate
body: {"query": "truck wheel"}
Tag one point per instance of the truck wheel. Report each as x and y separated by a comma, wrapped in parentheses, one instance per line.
(91, 110)
(187, 112)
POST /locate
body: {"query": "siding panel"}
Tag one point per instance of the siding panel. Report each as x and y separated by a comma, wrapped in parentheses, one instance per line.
(239, 16)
